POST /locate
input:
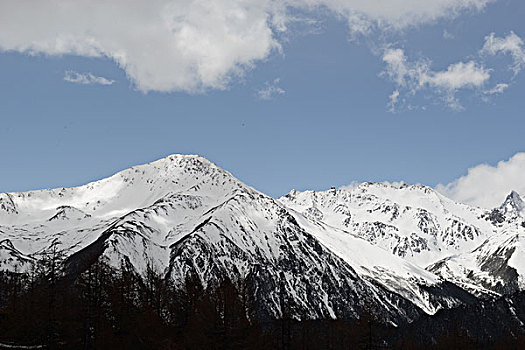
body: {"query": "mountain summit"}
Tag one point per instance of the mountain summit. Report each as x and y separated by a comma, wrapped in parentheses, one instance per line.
(513, 205)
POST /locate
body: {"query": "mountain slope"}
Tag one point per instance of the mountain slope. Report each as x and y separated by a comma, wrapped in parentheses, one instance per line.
(476, 249)
(497, 265)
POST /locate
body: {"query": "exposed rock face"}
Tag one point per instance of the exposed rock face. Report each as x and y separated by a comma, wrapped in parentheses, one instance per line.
(12, 259)
(6, 204)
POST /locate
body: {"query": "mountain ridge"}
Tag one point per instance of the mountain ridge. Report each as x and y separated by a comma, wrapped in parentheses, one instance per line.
(185, 215)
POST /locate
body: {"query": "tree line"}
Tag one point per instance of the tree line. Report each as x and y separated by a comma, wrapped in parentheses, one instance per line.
(108, 307)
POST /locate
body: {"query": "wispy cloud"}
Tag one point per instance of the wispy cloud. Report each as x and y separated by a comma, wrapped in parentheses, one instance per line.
(498, 89)
(394, 97)
(412, 76)
(271, 90)
(448, 35)
(418, 75)
(86, 78)
(512, 44)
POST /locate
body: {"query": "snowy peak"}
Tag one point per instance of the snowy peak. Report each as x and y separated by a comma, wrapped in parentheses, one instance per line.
(513, 205)
(128, 190)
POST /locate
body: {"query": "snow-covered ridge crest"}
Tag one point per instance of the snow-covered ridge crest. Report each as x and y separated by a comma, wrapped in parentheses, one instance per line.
(116, 195)
(412, 221)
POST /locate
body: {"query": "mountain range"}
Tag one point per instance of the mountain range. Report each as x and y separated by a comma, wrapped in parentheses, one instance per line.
(401, 252)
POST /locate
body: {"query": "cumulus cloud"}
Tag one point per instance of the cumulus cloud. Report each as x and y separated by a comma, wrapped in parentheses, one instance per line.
(162, 45)
(270, 90)
(418, 75)
(458, 76)
(487, 186)
(86, 78)
(190, 45)
(512, 45)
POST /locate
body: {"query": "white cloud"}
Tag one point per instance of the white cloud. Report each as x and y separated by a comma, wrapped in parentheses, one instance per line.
(511, 44)
(448, 35)
(162, 45)
(415, 76)
(270, 90)
(365, 15)
(86, 78)
(487, 186)
(498, 89)
(394, 97)
(398, 68)
(190, 45)
(350, 187)
(458, 76)
(410, 77)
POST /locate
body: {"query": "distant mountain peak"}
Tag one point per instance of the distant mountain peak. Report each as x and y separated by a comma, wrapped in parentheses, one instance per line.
(514, 196)
(513, 204)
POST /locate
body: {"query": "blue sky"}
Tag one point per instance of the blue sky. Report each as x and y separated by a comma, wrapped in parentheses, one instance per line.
(307, 107)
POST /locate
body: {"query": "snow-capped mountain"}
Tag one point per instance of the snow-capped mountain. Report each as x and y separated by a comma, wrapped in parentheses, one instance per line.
(411, 221)
(513, 207)
(329, 254)
(476, 249)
